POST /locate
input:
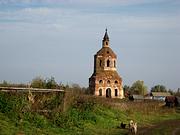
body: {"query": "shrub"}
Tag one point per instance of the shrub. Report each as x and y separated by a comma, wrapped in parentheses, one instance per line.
(39, 120)
(12, 104)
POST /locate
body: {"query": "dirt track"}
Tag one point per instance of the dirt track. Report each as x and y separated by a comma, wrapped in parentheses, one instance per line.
(169, 127)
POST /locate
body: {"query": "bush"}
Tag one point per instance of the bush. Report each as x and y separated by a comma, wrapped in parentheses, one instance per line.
(38, 120)
(12, 105)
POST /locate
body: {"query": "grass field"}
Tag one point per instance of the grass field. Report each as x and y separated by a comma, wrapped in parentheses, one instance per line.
(79, 114)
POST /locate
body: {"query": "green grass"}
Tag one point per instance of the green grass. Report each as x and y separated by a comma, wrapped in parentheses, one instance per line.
(85, 115)
(7, 127)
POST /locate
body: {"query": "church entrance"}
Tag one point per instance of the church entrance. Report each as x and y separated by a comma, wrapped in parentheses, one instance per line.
(108, 93)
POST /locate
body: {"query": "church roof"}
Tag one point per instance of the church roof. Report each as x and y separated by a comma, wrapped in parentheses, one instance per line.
(106, 37)
(105, 52)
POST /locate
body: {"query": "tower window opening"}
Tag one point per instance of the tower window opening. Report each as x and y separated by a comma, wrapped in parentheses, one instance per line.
(116, 92)
(106, 43)
(107, 52)
(100, 64)
(108, 63)
(108, 82)
(100, 81)
(114, 63)
(116, 82)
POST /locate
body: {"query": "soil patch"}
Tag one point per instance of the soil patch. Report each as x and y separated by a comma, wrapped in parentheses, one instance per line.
(169, 127)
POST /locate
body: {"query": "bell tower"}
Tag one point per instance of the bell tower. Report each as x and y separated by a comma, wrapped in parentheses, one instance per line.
(105, 80)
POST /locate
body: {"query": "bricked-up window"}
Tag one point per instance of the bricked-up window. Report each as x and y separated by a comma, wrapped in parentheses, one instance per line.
(100, 92)
(116, 82)
(108, 82)
(100, 63)
(108, 63)
(116, 92)
(100, 81)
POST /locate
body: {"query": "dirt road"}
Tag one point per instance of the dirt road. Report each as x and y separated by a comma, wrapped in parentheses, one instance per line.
(169, 127)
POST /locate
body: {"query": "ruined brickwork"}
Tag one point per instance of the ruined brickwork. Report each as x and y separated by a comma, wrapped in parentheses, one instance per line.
(105, 80)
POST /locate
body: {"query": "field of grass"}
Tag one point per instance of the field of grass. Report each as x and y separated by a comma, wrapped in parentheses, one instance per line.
(76, 114)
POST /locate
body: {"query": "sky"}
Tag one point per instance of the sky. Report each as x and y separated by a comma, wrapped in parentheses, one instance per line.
(60, 37)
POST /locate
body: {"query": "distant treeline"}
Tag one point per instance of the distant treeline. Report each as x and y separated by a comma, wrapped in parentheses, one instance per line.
(138, 87)
(7, 84)
(40, 82)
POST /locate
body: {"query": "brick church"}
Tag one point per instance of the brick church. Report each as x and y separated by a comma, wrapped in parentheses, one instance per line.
(105, 80)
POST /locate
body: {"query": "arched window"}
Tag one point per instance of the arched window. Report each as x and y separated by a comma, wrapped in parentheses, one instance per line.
(108, 82)
(106, 43)
(116, 92)
(100, 63)
(108, 63)
(100, 92)
(114, 63)
(100, 81)
(116, 82)
(108, 93)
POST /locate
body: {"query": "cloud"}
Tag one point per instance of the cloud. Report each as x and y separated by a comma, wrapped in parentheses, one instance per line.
(83, 2)
(71, 19)
(67, 19)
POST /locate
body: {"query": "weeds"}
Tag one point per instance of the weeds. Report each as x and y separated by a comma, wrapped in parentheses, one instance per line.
(75, 113)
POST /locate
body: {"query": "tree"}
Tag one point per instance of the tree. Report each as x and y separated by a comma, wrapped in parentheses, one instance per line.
(51, 83)
(138, 87)
(38, 82)
(126, 89)
(4, 84)
(76, 88)
(171, 92)
(159, 88)
(178, 92)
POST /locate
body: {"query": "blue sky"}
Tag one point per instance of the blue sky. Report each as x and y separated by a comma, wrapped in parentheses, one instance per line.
(59, 38)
